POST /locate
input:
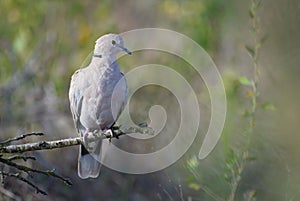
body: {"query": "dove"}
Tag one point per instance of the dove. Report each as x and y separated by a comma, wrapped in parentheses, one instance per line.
(92, 105)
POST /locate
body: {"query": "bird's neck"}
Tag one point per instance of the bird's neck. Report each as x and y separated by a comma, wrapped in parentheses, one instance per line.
(103, 58)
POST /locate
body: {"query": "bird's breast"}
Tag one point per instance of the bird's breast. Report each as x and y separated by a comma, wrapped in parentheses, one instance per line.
(96, 111)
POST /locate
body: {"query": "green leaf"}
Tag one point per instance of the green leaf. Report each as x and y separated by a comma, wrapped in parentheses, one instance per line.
(268, 106)
(193, 162)
(251, 13)
(190, 179)
(251, 158)
(227, 177)
(245, 81)
(246, 113)
(194, 186)
(20, 42)
(264, 39)
(250, 50)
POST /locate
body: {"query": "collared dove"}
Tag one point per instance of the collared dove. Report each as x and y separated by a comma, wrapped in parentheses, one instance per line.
(91, 101)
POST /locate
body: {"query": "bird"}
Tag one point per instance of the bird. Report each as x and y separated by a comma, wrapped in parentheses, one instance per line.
(92, 103)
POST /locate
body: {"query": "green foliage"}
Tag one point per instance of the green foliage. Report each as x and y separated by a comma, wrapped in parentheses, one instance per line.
(245, 81)
(194, 186)
(250, 51)
(268, 106)
(263, 39)
(198, 19)
(238, 157)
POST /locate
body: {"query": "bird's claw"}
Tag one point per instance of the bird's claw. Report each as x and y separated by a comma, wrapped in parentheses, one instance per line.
(112, 134)
(86, 140)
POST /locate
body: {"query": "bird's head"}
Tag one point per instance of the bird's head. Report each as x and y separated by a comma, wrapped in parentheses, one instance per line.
(109, 45)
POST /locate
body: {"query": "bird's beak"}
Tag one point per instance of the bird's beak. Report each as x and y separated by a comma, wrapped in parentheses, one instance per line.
(124, 49)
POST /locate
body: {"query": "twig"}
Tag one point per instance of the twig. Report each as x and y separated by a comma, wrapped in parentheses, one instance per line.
(17, 175)
(28, 170)
(166, 192)
(237, 176)
(257, 46)
(18, 157)
(211, 194)
(8, 141)
(180, 192)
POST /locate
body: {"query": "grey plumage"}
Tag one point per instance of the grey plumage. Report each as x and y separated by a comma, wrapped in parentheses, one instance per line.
(91, 100)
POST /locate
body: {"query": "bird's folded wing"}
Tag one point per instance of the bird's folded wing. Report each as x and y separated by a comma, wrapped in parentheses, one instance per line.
(76, 97)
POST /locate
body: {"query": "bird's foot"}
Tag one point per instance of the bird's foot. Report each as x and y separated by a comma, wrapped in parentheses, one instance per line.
(114, 134)
(111, 134)
(86, 136)
(86, 141)
(115, 127)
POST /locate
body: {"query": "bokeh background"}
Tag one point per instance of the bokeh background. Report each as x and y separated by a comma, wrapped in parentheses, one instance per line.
(43, 42)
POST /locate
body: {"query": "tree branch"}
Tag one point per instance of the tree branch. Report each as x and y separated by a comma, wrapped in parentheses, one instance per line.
(20, 148)
(117, 131)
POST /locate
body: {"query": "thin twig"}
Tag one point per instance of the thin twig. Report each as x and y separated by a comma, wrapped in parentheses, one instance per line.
(8, 141)
(167, 193)
(237, 176)
(28, 170)
(18, 157)
(19, 177)
(180, 192)
(211, 194)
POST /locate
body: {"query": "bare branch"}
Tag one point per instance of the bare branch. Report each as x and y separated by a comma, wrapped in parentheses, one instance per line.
(8, 141)
(20, 148)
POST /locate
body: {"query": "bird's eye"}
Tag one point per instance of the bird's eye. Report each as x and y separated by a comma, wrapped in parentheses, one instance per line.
(113, 42)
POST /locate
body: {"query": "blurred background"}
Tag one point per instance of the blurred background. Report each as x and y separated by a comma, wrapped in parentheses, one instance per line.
(42, 43)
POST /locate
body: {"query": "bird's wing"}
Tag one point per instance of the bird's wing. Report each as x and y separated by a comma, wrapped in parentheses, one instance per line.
(125, 94)
(76, 97)
(119, 97)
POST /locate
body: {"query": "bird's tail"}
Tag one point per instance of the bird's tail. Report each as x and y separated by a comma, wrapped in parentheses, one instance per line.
(88, 162)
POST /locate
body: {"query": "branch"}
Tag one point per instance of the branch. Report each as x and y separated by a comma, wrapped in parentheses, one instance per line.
(20, 148)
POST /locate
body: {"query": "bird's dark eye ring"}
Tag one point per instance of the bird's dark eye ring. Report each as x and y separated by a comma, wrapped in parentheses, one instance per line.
(113, 42)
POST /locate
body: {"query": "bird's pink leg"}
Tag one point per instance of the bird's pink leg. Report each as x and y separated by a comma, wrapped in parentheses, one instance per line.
(85, 136)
